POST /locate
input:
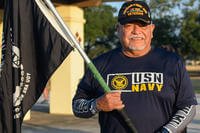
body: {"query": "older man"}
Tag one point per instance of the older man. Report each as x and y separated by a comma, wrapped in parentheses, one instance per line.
(150, 83)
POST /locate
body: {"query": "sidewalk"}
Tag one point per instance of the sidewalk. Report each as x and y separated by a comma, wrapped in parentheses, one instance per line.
(43, 122)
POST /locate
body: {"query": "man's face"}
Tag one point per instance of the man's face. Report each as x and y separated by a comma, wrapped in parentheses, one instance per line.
(136, 37)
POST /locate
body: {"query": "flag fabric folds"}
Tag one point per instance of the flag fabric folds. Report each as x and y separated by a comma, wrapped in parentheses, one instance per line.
(1, 3)
(31, 51)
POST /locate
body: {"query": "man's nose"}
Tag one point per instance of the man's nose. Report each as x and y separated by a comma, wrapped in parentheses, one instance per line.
(135, 29)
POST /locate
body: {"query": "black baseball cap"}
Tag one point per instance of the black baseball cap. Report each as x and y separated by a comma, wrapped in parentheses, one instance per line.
(134, 11)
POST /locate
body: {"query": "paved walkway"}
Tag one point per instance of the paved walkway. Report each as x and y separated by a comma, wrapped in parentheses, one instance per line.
(43, 122)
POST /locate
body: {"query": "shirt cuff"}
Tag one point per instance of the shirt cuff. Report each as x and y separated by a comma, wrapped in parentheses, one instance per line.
(93, 107)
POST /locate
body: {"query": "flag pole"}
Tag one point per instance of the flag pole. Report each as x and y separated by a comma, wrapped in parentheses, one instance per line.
(89, 63)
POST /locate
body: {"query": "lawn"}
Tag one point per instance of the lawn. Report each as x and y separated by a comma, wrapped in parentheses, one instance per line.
(196, 84)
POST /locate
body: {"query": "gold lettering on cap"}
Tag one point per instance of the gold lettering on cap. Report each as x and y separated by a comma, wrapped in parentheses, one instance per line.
(144, 10)
(136, 9)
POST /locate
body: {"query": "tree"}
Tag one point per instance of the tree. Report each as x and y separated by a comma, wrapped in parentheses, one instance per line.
(161, 8)
(100, 33)
(167, 32)
(190, 34)
(177, 24)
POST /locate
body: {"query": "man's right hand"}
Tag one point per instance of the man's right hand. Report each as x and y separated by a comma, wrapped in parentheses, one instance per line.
(110, 101)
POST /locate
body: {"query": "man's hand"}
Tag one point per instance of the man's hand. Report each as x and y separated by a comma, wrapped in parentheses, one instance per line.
(110, 101)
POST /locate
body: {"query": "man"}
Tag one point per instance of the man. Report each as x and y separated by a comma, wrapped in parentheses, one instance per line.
(151, 84)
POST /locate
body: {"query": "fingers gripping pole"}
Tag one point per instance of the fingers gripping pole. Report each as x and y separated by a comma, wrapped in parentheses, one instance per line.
(91, 66)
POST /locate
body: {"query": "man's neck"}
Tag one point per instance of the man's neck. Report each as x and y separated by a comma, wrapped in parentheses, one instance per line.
(136, 53)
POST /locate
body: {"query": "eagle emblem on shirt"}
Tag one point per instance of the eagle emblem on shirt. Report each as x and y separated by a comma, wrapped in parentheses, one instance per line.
(119, 82)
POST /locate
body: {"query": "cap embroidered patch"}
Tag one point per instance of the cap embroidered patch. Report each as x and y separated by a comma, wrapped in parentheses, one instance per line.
(134, 11)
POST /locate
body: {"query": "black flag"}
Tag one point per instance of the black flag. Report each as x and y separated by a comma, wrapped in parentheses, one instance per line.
(1, 3)
(31, 51)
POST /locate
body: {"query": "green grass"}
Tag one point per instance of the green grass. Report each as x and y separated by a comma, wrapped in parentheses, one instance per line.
(196, 84)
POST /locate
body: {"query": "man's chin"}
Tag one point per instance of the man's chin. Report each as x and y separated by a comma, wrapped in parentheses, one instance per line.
(137, 48)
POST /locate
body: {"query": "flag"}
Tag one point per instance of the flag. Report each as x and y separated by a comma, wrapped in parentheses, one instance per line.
(32, 49)
(1, 3)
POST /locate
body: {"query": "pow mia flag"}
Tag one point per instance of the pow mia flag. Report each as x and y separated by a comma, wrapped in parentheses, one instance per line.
(31, 51)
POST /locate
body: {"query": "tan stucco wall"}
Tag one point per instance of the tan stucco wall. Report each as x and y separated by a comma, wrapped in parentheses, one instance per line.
(66, 78)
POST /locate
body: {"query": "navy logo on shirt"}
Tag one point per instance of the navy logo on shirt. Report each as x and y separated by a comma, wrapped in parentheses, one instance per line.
(119, 82)
(136, 81)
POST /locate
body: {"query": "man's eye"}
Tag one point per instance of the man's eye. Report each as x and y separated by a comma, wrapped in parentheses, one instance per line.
(143, 25)
(127, 25)
(139, 25)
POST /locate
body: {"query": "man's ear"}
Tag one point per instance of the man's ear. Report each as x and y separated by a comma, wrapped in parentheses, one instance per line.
(152, 29)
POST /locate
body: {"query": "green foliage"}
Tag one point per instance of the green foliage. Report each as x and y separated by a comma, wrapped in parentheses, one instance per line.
(166, 32)
(180, 30)
(190, 34)
(99, 29)
(161, 8)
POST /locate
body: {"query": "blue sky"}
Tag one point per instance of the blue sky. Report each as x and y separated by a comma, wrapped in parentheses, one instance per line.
(115, 4)
(118, 5)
